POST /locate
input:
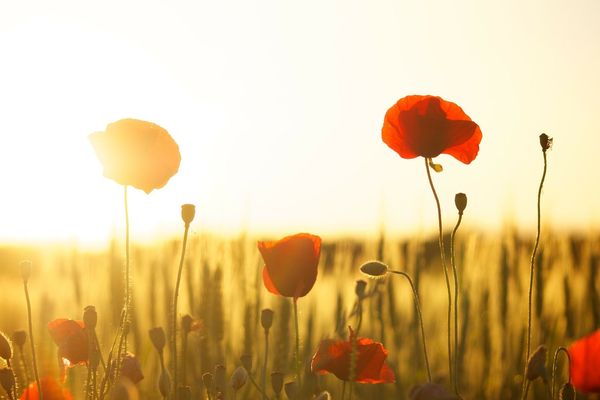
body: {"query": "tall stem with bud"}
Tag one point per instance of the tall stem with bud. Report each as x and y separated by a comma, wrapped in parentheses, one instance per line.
(460, 200)
(25, 274)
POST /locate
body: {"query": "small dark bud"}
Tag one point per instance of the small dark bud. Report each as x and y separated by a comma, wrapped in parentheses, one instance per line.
(536, 366)
(188, 212)
(360, 288)
(277, 382)
(157, 336)
(19, 338)
(90, 317)
(239, 378)
(131, 368)
(246, 360)
(266, 319)
(7, 379)
(461, 202)
(374, 269)
(545, 142)
(567, 392)
(6, 351)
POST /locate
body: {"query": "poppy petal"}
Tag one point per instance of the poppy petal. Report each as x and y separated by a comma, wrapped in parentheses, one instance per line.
(585, 359)
(268, 282)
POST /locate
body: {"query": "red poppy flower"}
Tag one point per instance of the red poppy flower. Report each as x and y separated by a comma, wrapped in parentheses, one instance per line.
(585, 363)
(51, 390)
(333, 356)
(71, 339)
(137, 153)
(428, 126)
(291, 264)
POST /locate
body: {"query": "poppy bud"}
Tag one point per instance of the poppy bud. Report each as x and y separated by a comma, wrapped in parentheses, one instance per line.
(131, 368)
(207, 380)
(323, 396)
(536, 366)
(164, 383)
(220, 378)
(277, 382)
(157, 336)
(186, 323)
(460, 199)
(246, 360)
(25, 270)
(360, 288)
(435, 167)
(374, 269)
(567, 392)
(6, 351)
(545, 142)
(7, 379)
(188, 211)
(266, 319)
(19, 338)
(291, 389)
(239, 378)
(90, 317)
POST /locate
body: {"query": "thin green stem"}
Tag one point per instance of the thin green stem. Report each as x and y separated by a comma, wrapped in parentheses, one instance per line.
(30, 322)
(531, 270)
(420, 315)
(175, 299)
(443, 258)
(298, 365)
(127, 271)
(343, 389)
(453, 264)
(264, 369)
(555, 366)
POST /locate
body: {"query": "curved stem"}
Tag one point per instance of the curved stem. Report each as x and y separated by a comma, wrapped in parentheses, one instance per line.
(555, 365)
(453, 265)
(298, 366)
(29, 319)
(531, 271)
(443, 257)
(175, 298)
(418, 307)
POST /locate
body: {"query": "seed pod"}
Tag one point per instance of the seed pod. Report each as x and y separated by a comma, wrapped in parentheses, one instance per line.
(7, 379)
(360, 288)
(25, 270)
(536, 366)
(188, 212)
(90, 317)
(277, 382)
(266, 319)
(291, 390)
(246, 360)
(6, 351)
(567, 392)
(460, 200)
(545, 142)
(239, 378)
(19, 338)
(157, 336)
(374, 269)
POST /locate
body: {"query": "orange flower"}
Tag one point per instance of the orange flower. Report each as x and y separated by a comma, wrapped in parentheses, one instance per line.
(333, 356)
(51, 390)
(291, 264)
(71, 339)
(137, 153)
(585, 363)
(428, 126)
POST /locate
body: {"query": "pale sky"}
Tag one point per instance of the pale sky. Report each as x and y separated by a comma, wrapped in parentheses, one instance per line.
(278, 105)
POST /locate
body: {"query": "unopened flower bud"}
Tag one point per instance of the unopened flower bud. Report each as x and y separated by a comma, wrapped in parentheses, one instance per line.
(25, 270)
(7, 379)
(360, 288)
(6, 351)
(460, 199)
(266, 318)
(131, 368)
(19, 338)
(239, 378)
(246, 360)
(567, 392)
(90, 317)
(157, 336)
(536, 366)
(291, 389)
(188, 212)
(277, 382)
(545, 142)
(374, 269)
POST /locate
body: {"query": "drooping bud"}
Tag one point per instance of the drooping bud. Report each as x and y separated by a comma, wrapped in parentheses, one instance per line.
(19, 338)
(536, 366)
(291, 390)
(131, 368)
(188, 212)
(157, 336)
(374, 269)
(7, 379)
(25, 270)
(6, 351)
(567, 392)
(246, 360)
(277, 382)
(360, 288)
(266, 319)
(435, 167)
(545, 142)
(460, 200)
(90, 317)
(239, 378)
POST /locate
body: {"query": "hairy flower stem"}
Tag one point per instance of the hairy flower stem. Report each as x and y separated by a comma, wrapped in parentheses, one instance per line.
(298, 363)
(30, 322)
(531, 271)
(453, 265)
(555, 366)
(420, 315)
(174, 320)
(264, 368)
(445, 268)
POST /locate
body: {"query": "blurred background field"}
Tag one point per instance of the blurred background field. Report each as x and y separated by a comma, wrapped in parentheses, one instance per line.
(222, 287)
